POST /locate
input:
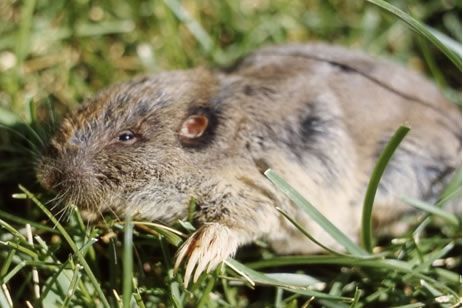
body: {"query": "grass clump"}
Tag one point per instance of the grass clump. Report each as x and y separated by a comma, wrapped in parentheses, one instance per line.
(53, 54)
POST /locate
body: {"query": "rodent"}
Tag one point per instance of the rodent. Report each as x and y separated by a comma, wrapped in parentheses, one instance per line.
(319, 115)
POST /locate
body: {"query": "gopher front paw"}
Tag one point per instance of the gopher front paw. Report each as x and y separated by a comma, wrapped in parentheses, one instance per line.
(210, 245)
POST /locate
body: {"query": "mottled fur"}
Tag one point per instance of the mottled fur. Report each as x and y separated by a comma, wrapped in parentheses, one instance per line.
(318, 115)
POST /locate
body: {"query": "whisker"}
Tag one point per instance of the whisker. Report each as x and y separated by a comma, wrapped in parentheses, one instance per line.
(62, 213)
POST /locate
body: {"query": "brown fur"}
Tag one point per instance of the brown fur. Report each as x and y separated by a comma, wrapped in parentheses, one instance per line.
(318, 115)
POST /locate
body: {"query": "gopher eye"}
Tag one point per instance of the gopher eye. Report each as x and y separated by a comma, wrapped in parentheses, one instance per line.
(126, 136)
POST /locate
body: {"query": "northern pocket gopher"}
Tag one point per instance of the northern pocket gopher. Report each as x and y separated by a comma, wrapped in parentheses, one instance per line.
(319, 115)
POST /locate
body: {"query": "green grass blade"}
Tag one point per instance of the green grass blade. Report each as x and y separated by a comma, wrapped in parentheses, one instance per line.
(452, 188)
(20, 220)
(299, 200)
(128, 261)
(137, 295)
(376, 175)
(7, 263)
(433, 67)
(72, 287)
(175, 296)
(447, 41)
(13, 271)
(298, 280)
(414, 305)
(300, 228)
(432, 209)
(442, 297)
(378, 263)
(71, 243)
(203, 301)
(195, 27)
(431, 289)
(419, 28)
(171, 235)
(438, 254)
(87, 246)
(330, 304)
(356, 298)
(265, 280)
(383, 264)
(5, 300)
(13, 231)
(20, 248)
(56, 285)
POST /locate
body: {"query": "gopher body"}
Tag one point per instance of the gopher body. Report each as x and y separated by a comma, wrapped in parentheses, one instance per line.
(318, 115)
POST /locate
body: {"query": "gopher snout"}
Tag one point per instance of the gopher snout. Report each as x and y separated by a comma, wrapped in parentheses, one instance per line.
(63, 174)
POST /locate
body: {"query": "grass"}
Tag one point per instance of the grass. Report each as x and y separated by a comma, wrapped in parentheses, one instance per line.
(53, 54)
(372, 187)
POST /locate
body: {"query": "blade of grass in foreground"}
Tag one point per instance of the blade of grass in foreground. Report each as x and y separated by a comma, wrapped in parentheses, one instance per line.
(128, 261)
(452, 188)
(5, 299)
(419, 28)
(172, 236)
(432, 209)
(273, 281)
(414, 305)
(307, 234)
(73, 286)
(448, 41)
(367, 238)
(331, 229)
(445, 276)
(71, 243)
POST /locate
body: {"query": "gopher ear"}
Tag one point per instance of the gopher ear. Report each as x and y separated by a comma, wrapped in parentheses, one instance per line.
(193, 127)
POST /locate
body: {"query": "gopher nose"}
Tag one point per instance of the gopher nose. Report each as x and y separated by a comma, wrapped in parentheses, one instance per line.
(47, 170)
(54, 176)
(49, 174)
(54, 172)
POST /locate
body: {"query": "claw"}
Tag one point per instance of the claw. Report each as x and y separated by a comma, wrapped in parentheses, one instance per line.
(184, 251)
(206, 249)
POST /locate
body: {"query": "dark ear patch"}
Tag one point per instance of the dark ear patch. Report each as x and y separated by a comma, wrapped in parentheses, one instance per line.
(198, 129)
